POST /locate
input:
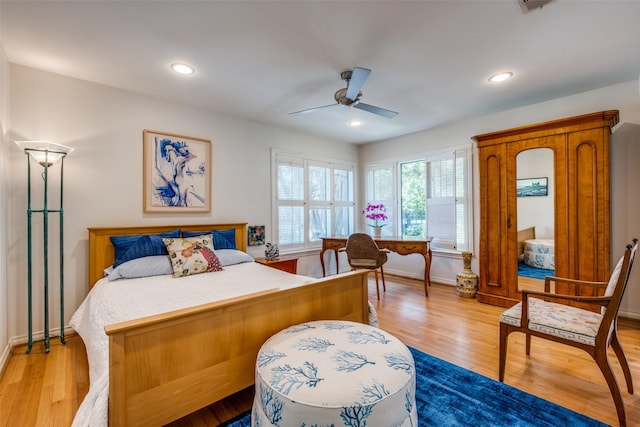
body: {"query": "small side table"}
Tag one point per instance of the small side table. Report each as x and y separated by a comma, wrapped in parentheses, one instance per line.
(284, 263)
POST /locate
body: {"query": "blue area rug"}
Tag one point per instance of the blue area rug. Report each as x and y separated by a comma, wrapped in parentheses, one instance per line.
(450, 396)
(536, 273)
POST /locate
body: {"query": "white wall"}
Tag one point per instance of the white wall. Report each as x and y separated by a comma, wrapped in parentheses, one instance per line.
(625, 204)
(4, 121)
(103, 176)
(625, 157)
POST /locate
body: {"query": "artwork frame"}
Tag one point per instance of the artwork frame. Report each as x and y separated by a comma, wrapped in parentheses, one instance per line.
(255, 235)
(176, 173)
(532, 187)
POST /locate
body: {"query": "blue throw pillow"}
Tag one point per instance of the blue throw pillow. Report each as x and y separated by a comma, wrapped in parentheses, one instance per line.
(225, 239)
(222, 239)
(122, 244)
(143, 247)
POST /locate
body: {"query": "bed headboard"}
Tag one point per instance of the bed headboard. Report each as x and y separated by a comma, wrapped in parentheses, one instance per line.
(525, 234)
(101, 253)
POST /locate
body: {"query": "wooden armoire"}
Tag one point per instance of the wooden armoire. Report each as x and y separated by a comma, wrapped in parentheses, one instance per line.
(580, 148)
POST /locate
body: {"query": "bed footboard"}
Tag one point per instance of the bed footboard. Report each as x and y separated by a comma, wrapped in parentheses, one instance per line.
(167, 366)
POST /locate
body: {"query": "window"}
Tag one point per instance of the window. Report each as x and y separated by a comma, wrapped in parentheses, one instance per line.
(433, 198)
(412, 199)
(447, 218)
(314, 199)
(380, 190)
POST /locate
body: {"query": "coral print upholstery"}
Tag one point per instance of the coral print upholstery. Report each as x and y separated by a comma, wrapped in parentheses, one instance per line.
(556, 319)
(334, 373)
(192, 255)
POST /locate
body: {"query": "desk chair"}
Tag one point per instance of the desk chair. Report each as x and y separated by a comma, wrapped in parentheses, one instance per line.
(362, 252)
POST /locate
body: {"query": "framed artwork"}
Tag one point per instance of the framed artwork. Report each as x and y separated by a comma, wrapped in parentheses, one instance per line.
(532, 187)
(177, 173)
(256, 235)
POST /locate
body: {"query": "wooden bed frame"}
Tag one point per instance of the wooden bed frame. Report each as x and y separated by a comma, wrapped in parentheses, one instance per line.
(525, 234)
(166, 366)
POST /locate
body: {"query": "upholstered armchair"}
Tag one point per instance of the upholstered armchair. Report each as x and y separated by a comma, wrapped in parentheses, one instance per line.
(588, 322)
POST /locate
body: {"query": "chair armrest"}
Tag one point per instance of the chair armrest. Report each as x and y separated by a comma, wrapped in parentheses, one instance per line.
(600, 300)
(556, 279)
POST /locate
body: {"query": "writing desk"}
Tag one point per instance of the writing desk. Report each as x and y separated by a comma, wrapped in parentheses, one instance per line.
(394, 244)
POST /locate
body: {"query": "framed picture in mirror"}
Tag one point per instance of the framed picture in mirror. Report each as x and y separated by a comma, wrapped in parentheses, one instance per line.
(528, 187)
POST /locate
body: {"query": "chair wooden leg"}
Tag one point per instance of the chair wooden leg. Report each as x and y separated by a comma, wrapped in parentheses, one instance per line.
(384, 286)
(504, 337)
(528, 344)
(377, 286)
(603, 363)
(622, 358)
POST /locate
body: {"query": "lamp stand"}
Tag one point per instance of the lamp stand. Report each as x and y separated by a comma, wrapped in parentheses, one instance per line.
(45, 211)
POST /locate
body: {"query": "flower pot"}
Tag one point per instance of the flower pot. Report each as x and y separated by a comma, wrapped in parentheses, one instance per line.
(377, 232)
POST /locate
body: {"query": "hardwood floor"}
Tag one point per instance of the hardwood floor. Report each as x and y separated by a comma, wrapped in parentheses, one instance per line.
(45, 389)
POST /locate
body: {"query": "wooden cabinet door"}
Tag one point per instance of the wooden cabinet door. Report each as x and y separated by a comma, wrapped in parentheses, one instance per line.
(588, 205)
(493, 267)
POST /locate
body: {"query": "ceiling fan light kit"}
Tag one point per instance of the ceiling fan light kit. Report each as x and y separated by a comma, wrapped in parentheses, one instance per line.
(350, 96)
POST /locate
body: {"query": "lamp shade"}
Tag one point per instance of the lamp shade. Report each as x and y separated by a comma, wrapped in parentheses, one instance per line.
(44, 152)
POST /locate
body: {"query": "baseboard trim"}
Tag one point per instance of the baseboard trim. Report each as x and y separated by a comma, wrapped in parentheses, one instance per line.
(434, 279)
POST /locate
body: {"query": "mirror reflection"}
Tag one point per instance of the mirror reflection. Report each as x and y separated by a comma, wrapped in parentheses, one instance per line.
(535, 217)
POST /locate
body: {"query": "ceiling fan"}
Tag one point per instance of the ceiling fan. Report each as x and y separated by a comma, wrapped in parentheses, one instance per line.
(350, 95)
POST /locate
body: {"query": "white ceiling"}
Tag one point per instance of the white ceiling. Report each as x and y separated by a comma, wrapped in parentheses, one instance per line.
(264, 59)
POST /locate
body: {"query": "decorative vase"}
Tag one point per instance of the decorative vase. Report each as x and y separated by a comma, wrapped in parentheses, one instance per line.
(377, 232)
(467, 280)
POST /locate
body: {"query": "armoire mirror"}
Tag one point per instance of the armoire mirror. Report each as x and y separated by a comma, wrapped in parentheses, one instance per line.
(535, 189)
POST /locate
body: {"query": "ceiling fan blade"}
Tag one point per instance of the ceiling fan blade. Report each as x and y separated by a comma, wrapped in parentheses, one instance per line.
(311, 110)
(358, 77)
(375, 110)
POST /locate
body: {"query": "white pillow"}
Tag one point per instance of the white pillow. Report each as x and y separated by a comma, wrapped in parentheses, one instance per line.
(233, 256)
(156, 265)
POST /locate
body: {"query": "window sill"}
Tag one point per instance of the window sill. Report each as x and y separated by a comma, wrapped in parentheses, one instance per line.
(447, 253)
(302, 252)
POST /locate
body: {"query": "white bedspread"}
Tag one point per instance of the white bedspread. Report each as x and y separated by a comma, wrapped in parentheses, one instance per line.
(121, 300)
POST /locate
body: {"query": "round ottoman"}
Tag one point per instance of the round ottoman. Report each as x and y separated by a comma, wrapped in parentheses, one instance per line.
(334, 373)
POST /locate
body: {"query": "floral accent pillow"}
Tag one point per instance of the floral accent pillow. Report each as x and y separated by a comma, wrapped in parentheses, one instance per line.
(192, 255)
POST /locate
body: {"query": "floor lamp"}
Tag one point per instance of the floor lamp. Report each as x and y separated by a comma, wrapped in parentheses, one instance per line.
(46, 154)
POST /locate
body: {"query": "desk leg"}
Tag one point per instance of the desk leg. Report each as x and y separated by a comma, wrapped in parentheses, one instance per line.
(322, 261)
(427, 272)
(322, 251)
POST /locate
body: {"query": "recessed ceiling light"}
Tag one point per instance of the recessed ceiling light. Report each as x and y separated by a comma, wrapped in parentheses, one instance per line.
(500, 77)
(354, 123)
(182, 68)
